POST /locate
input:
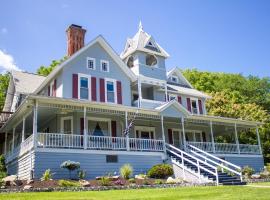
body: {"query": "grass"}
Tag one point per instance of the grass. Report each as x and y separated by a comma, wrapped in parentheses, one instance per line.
(261, 183)
(198, 193)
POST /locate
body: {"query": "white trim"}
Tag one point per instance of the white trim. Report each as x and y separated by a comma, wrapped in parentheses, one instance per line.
(108, 65)
(51, 88)
(94, 63)
(99, 119)
(145, 129)
(180, 75)
(173, 95)
(103, 152)
(62, 123)
(151, 54)
(115, 90)
(194, 132)
(89, 86)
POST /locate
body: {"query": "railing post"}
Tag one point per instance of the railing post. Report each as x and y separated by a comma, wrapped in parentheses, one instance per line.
(236, 138)
(127, 135)
(163, 134)
(84, 129)
(23, 129)
(212, 137)
(183, 132)
(217, 179)
(259, 140)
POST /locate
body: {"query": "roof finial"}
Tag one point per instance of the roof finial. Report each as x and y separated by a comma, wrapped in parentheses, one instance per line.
(140, 25)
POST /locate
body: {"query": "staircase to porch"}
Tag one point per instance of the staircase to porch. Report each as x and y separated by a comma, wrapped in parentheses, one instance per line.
(204, 166)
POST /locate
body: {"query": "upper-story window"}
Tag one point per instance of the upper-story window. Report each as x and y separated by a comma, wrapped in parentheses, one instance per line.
(130, 62)
(150, 60)
(172, 97)
(174, 79)
(84, 87)
(110, 91)
(104, 65)
(91, 63)
(194, 106)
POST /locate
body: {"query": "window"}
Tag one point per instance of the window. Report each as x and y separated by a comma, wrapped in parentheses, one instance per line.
(150, 60)
(84, 89)
(104, 65)
(67, 125)
(110, 91)
(99, 126)
(91, 63)
(145, 132)
(194, 106)
(130, 61)
(174, 79)
(172, 97)
(111, 158)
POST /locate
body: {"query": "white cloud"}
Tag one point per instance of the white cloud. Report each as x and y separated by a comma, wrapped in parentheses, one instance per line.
(4, 30)
(7, 62)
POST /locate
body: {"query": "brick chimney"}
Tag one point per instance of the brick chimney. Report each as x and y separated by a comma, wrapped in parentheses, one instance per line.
(75, 39)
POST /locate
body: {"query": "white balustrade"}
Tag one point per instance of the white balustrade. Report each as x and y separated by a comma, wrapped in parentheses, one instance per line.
(137, 144)
(226, 147)
(106, 143)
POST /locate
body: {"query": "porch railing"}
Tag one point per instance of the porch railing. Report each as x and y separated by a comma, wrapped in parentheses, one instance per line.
(72, 141)
(226, 148)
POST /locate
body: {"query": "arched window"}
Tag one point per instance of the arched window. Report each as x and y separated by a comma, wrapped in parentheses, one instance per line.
(150, 60)
(130, 62)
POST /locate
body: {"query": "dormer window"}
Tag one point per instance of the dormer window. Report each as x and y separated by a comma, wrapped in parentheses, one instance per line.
(104, 65)
(174, 79)
(130, 62)
(150, 60)
(91, 63)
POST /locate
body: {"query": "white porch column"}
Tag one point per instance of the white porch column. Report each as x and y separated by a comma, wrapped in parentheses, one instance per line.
(258, 138)
(163, 134)
(236, 138)
(139, 92)
(84, 129)
(6, 143)
(13, 139)
(127, 135)
(35, 113)
(166, 93)
(183, 132)
(23, 129)
(212, 137)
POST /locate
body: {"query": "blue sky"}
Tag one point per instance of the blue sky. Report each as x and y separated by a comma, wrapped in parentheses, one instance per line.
(210, 35)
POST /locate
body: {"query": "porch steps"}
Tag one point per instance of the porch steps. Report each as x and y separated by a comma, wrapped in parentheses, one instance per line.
(223, 178)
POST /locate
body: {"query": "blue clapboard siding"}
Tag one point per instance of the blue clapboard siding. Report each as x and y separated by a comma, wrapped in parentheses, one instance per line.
(93, 164)
(255, 162)
(22, 166)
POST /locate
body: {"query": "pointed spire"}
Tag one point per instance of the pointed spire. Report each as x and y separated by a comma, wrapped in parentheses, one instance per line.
(140, 26)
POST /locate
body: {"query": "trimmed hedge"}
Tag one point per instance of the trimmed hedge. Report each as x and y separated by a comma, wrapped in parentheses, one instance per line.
(160, 171)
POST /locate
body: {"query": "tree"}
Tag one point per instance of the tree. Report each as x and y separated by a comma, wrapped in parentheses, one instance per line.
(4, 81)
(46, 70)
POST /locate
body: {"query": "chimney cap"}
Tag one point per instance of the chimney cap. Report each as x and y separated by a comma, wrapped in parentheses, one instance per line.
(75, 26)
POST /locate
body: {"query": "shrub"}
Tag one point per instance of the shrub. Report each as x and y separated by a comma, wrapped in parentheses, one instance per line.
(160, 171)
(105, 181)
(248, 171)
(146, 182)
(132, 180)
(81, 174)
(159, 182)
(2, 164)
(70, 166)
(65, 183)
(47, 175)
(267, 167)
(126, 171)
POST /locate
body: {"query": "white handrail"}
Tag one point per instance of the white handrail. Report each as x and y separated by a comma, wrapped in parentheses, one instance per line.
(198, 161)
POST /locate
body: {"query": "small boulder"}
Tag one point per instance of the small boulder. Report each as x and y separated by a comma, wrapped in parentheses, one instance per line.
(27, 187)
(10, 180)
(84, 183)
(28, 182)
(255, 176)
(113, 178)
(98, 178)
(171, 180)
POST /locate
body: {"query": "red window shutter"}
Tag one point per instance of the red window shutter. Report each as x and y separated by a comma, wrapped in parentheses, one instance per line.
(188, 104)
(119, 92)
(49, 90)
(179, 99)
(54, 88)
(75, 86)
(94, 88)
(102, 89)
(170, 136)
(200, 106)
(81, 125)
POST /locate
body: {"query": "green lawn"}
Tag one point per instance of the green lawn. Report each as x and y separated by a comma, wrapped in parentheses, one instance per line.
(221, 192)
(261, 183)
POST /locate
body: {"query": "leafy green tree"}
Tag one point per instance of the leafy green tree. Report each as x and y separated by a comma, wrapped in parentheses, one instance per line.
(46, 70)
(4, 81)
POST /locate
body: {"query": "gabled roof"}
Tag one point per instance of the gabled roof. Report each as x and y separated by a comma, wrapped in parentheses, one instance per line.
(178, 72)
(99, 39)
(175, 104)
(25, 82)
(140, 42)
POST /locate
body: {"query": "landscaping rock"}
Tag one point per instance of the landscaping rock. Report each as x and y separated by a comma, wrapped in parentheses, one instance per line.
(255, 176)
(140, 176)
(98, 177)
(10, 180)
(84, 183)
(27, 187)
(29, 182)
(113, 178)
(171, 180)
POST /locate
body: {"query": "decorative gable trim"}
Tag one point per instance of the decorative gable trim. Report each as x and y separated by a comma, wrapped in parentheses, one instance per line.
(180, 76)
